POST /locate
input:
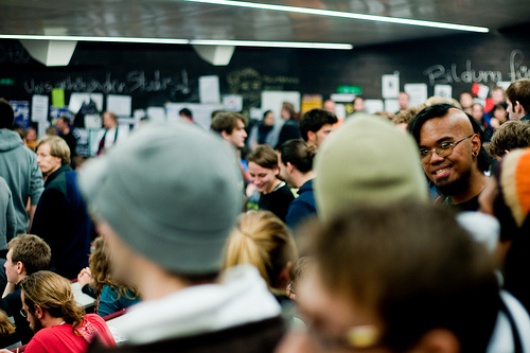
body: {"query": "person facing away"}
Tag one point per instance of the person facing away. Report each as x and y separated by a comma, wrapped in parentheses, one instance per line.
(518, 99)
(262, 240)
(402, 278)
(367, 161)
(509, 136)
(64, 129)
(296, 168)
(18, 166)
(60, 325)
(173, 252)
(27, 254)
(8, 218)
(290, 128)
(62, 218)
(316, 125)
(452, 156)
(111, 296)
(275, 194)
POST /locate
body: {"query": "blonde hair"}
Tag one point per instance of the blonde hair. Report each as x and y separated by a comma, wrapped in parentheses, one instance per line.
(53, 293)
(58, 148)
(261, 239)
(6, 327)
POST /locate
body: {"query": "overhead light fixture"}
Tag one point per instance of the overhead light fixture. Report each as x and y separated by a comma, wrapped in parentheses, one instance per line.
(271, 44)
(235, 43)
(97, 39)
(341, 14)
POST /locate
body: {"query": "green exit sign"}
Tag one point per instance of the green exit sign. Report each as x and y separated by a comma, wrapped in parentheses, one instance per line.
(7, 82)
(350, 89)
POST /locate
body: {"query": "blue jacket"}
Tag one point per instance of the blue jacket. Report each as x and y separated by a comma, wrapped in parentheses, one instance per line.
(304, 206)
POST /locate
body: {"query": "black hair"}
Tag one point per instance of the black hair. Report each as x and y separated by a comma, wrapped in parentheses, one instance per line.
(440, 110)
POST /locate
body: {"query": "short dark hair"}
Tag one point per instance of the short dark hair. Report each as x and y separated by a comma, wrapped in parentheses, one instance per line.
(299, 154)
(65, 119)
(441, 110)
(519, 91)
(226, 121)
(415, 267)
(186, 112)
(510, 135)
(314, 119)
(7, 115)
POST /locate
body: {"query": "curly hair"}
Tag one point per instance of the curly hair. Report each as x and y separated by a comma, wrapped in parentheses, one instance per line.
(101, 274)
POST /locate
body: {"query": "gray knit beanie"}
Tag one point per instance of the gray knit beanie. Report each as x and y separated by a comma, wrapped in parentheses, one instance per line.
(367, 161)
(172, 192)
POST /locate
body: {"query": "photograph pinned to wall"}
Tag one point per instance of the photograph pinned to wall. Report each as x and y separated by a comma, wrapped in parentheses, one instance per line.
(311, 101)
(444, 91)
(39, 107)
(58, 97)
(417, 93)
(390, 86)
(77, 100)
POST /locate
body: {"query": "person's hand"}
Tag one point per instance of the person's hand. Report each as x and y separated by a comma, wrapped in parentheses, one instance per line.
(84, 277)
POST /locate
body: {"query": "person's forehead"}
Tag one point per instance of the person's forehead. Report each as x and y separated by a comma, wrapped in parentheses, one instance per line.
(453, 122)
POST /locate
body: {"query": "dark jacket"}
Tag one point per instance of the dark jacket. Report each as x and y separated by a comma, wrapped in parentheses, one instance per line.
(290, 131)
(277, 201)
(304, 206)
(62, 220)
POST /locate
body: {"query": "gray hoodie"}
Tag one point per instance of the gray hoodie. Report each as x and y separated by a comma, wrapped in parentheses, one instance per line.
(19, 168)
(7, 215)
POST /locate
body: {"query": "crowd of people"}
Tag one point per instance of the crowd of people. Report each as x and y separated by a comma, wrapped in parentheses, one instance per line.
(386, 232)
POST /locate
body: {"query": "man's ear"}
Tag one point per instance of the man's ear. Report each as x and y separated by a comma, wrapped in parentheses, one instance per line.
(518, 108)
(21, 269)
(38, 311)
(289, 167)
(225, 135)
(311, 136)
(437, 341)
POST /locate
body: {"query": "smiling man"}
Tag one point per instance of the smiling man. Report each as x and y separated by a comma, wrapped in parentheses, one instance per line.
(451, 154)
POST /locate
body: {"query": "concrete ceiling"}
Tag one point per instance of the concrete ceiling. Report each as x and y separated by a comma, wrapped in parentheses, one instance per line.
(190, 20)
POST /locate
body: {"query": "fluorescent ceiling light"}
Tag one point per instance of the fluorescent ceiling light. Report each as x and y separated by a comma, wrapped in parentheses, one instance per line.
(249, 43)
(320, 12)
(98, 39)
(235, 43)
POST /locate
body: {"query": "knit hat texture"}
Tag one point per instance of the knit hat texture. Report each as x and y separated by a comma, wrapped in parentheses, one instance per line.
(172, 192)
(367, 161)
(515, 183)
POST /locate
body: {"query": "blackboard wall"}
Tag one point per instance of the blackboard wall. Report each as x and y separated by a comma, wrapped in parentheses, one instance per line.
(155, 74)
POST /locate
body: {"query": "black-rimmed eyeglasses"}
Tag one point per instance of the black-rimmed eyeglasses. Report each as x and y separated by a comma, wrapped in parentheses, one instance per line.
(443, 150)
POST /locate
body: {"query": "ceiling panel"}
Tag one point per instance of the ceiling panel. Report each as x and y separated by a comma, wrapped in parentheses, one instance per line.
(189, 20)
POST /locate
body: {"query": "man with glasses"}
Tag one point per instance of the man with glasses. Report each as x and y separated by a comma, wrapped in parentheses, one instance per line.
(27, 254)
(452, 155)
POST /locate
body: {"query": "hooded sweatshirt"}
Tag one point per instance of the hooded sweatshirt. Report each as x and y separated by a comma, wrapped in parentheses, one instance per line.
(18, 166)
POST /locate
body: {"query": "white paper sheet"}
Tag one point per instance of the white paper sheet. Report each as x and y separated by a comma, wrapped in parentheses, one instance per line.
(417, 93)
(444, 91)
(390, 86)
(209, 89)
(156, 114)
(373, 105)
(39, 108)
(233, 103)
(119, 105)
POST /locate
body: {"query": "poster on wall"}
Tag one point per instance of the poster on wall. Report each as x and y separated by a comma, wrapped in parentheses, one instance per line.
(444, 91)
(21, 110)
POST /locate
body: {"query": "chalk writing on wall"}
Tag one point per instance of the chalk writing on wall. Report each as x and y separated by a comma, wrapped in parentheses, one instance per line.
(439, 74)
(135, 81)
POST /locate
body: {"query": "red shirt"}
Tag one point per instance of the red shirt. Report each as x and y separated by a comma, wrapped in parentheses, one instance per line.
(62, 339)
